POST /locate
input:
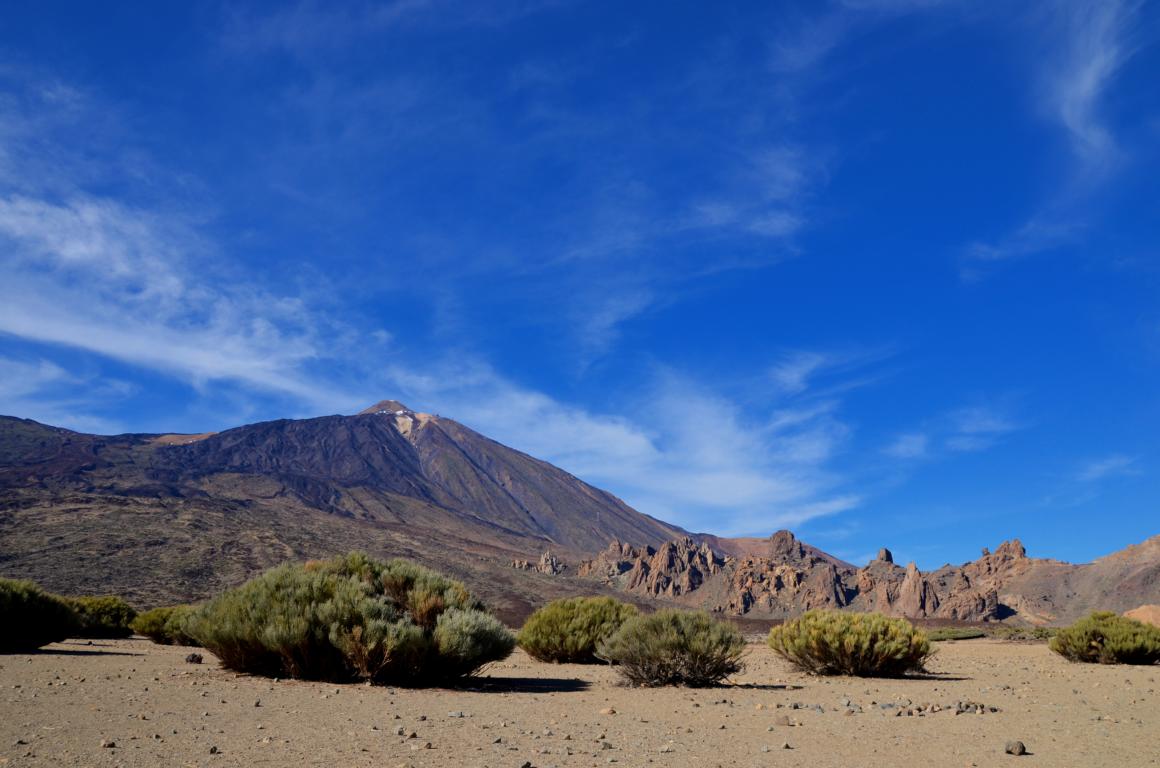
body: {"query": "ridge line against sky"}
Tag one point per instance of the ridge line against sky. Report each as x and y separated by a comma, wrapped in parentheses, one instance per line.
(881, 272)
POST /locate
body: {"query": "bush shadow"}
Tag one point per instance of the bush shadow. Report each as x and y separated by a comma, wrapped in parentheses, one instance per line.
(527, 685)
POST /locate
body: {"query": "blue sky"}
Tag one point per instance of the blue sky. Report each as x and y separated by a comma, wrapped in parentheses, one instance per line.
(885, 272)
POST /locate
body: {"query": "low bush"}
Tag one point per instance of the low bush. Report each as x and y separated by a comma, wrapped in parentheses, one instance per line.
(675, 648)
(352, 618)
(102, 616)
(569, 631)
(166, 625)
(942, 634)
(1107, 638)
(1025, 634)
(860, 644)
(31, 617)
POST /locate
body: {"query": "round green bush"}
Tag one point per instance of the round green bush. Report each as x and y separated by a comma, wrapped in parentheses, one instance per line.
(352, 618)
(31, 618)
(675, 648)
(165, 625)
(859, 644)
(102, 616)
(1106, 638)
(568, 631)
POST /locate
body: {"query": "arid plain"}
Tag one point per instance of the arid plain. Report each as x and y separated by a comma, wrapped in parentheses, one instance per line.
(133, 703)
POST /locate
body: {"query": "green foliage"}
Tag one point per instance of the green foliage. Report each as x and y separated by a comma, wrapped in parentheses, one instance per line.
(1025, 634)
(675, 648)
(569, 631)
(31, 617)
(1107, 638)
(352, 618)
(166, 625)
(102, 616)
(942, 634)
(860, 644)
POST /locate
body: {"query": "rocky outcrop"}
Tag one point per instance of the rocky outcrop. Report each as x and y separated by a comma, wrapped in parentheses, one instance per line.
(791, 577)
(675, 568)
(548, 564)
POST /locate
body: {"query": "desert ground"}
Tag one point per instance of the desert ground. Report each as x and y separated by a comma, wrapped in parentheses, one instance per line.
(133, 703)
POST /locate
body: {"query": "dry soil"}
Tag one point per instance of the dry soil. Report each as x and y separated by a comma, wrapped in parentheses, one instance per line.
(68, 704)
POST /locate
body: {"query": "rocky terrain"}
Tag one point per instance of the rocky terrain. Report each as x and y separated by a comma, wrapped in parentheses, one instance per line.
(791, 577)
(132, 703)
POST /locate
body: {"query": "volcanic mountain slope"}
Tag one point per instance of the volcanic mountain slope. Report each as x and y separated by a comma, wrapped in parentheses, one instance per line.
(790, 577)
(170, 517)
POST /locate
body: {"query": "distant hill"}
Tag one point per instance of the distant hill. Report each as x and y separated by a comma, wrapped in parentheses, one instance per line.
(173, 518)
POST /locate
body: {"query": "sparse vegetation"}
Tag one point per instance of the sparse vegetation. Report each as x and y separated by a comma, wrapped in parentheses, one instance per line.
(675, 648)
(1106, 638)
(31, 618)
(860, 644)
(1025, 634)
(166, 625)
(569, 631)
(352, 618)
(100, 617)
(943, 634)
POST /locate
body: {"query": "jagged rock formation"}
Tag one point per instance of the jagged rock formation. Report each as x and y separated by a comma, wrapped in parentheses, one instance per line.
(675, 568)
(548, 564)
(791, 577)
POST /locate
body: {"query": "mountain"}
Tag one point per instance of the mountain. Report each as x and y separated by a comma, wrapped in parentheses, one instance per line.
(785, 577)
(175, 517)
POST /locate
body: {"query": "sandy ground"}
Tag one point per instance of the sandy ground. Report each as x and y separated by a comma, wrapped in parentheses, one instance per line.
(59, 705)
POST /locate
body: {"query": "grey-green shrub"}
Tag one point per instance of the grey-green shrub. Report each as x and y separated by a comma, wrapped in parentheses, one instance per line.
(352, 618)
(1106, 638)
(31, 618)
(568, 631)
(99, 617)
(843, 643)
(675, 648)
(165, 625)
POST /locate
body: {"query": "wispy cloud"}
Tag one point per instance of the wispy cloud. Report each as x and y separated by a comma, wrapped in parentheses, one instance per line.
(1080, 48)
(976, 428)
(963, 430)
(1116, 465)
(147, 286)
(913, 445)
(682, 453)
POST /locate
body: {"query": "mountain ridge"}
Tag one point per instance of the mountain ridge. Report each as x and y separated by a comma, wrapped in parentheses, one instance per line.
(172, 517)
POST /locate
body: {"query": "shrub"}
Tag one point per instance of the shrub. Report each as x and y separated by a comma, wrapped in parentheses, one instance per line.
(943, 634)
(352, 618)
(1106, 638)
(102, 616)
(860, 644)
(30, 617)
(569, 631)
(1026, 634)
(675, 648)
(166, 626)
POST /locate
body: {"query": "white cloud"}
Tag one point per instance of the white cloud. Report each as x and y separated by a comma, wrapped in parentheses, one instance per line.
(1116, 465)
(1079, 48)
(913, 445)
(977, 428)
(683, 453)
